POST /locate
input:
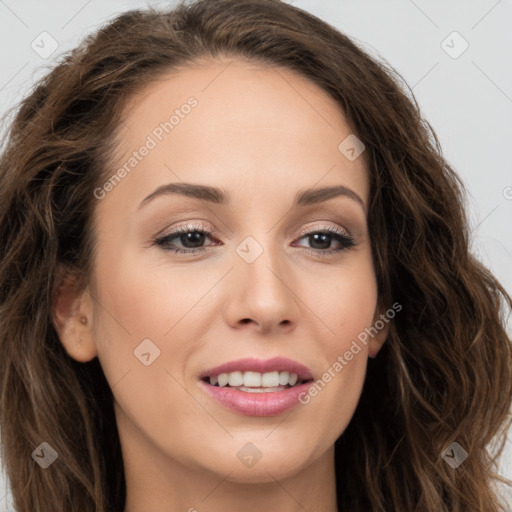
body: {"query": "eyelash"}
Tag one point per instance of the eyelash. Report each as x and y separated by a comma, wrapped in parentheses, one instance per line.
(347, 241)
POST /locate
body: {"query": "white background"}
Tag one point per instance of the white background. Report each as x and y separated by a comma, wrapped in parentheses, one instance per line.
(467, 100)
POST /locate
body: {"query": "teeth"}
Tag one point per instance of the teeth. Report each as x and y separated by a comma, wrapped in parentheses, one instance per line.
(271, 379)
(223, 379)
(254, 379)
(261, 390)
(283, 378)
(235, 379)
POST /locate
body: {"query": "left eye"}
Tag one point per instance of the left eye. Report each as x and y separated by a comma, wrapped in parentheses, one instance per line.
(193, 238)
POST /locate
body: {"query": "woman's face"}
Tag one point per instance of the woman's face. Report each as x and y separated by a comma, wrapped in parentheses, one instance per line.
(257, 286)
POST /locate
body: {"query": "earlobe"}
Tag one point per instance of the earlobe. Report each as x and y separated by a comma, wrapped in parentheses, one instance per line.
(381, 325)
(72, 314)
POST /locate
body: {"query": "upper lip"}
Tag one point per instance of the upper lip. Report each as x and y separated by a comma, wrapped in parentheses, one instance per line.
(250, 364)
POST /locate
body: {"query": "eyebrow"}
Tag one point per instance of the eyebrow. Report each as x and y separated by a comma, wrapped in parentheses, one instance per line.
(215, 195)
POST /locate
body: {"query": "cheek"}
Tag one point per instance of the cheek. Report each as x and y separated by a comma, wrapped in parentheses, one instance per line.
(139, 301)
(349, 303)
(142, 299)
(348, 310)
(148, 300)
(138, 304)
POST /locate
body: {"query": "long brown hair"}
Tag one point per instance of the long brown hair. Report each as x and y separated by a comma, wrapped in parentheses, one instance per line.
(445, 372)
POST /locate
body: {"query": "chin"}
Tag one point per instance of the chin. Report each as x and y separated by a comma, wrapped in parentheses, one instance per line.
(275, 464)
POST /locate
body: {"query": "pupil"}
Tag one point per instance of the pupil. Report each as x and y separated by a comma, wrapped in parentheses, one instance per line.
(194, 237)
(324, 244)
(197, 239)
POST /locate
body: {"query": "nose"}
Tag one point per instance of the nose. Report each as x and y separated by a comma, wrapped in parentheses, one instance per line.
(262, 294)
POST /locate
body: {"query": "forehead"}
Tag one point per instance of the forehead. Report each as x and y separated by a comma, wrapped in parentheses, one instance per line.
(250, 126)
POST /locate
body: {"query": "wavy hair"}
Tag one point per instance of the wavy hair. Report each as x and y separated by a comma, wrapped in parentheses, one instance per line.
(445, 371)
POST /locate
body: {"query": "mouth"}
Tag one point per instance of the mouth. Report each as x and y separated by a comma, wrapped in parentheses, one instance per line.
(256, 382)
(255, 387)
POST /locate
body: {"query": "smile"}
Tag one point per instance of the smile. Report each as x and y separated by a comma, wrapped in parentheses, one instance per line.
(268, 392)
(256, 382)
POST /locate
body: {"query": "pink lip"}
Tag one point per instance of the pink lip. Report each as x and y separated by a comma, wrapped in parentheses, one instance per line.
(258, 404)
(250, 364)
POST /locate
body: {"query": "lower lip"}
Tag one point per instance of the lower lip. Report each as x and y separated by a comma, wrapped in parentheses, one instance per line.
(256, 404)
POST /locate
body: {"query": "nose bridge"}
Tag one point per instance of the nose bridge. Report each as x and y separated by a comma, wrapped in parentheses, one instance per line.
(261, 261)
(263, 292)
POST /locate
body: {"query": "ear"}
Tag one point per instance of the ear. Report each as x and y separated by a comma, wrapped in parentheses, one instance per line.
(72, 316)
(381, 324)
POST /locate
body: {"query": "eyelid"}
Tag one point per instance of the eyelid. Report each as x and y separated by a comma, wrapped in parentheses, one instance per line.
(330, 227)
(194, 225)
(186, 228)
(340, 234)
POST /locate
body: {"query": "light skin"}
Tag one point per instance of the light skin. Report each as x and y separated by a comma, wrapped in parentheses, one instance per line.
(260, 134)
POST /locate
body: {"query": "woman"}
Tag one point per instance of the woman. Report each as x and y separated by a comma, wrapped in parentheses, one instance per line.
(210, 219)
